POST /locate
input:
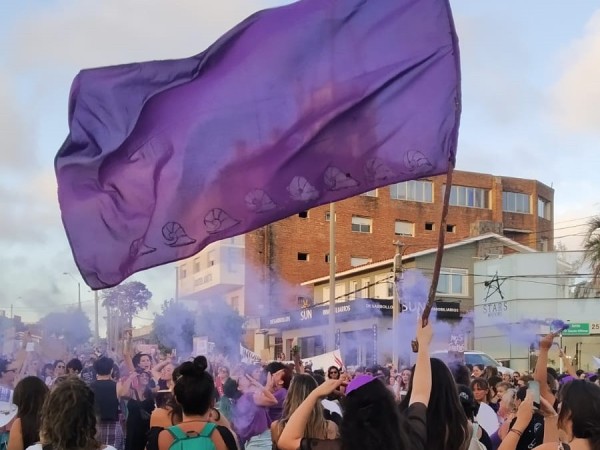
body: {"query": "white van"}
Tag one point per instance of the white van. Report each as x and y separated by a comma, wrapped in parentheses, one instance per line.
(475, 357)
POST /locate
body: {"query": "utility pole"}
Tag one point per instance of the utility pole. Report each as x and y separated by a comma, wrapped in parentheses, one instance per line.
(396, 306)
(96, 323)
(331, 334)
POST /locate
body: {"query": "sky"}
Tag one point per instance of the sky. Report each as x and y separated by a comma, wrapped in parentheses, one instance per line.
(531, 109)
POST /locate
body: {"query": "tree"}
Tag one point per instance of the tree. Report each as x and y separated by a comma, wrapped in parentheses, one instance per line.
(591, 246)
(174, 327)
(127, 299)
(73, 326)
(223, 326)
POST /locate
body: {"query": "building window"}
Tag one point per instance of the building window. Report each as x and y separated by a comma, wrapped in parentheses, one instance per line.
(450, 228)
(358, 261)
(327, 258)
(372, 193)
(340, 292)
(470, 197)
(328, 216)
(361, 224)
(415, 191)
(516, 202)
(196, 265)
(384, 286)
(354, 290)
(402, 228)
(429, 226)
(544, 209)
(303, 214)
(302, 256)
(543, 245)
(182, 272)
(235, 303)
(210, 258)
(365, 283)
(453, 282)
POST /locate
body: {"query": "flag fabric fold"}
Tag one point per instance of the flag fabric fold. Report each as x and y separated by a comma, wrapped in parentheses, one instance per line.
(295, 107)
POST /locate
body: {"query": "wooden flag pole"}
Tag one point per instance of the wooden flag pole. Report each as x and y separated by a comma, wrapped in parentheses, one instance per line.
(440, 253)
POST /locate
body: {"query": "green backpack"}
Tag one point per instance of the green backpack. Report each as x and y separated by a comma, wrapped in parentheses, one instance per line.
(192, 440)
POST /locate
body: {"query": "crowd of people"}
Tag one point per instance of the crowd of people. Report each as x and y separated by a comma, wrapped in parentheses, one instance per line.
(142, 402)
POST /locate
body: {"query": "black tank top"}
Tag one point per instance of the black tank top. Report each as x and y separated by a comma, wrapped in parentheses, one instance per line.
(105, 400)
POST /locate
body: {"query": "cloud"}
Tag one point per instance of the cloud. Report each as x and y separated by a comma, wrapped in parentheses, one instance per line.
(576, 95)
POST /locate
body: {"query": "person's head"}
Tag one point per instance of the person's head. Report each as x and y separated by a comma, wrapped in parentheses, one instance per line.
(508, 403)
(8, 372)
(461, 373)
(281, 374)
(405, 378)
(506, 378)
(446, 420)
(223, 373)
(48, 370)
(467, 401)
(104, 366)
(74, 367)
(501, 389)
(481, 390)
(490, 371)
(524, 380)
(478, 370)
(68, 417)
(515, 376)
(300, 387)
(60, 368)
(194, 389)
(333, 373)
(143, 378)
(579, 415)
(142, 361)
(371, 418)
(29, 397)
(167, 372)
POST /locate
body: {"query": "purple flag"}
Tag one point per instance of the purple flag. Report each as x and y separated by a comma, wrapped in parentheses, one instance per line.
(295, 107)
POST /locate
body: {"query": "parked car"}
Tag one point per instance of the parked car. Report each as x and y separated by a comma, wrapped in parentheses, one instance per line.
(475, 357)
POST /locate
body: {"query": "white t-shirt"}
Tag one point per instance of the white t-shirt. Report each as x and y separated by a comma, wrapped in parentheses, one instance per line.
(39, 447)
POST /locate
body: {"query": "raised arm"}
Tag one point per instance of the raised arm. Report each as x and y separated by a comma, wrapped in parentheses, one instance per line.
(540, 374)
(421, 390)
(291, 436)
(567, 364)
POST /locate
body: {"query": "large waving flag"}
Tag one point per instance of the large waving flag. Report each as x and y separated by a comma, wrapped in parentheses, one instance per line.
(295, 107)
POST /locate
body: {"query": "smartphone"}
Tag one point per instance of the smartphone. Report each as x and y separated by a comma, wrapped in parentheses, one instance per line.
(534, 388)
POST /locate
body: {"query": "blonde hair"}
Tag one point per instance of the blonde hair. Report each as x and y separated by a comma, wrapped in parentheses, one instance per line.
(301, 386)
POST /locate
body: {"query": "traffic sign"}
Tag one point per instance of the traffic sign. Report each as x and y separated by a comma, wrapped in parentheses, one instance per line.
(577, 329)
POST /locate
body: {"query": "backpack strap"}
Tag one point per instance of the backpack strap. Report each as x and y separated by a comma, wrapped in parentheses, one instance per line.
(177, 432)
(208, 429)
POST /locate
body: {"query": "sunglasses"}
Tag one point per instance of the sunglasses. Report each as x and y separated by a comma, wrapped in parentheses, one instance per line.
(334, 373)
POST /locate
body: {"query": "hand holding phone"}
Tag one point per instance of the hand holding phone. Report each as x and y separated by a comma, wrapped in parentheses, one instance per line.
(534, 388)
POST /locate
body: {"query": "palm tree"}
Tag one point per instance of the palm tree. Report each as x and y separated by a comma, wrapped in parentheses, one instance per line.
(591, 246)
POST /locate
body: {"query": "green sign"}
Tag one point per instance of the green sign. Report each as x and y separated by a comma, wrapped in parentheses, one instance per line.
(577, 329)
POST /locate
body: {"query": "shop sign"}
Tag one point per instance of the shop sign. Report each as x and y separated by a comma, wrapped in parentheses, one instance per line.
(577, 329)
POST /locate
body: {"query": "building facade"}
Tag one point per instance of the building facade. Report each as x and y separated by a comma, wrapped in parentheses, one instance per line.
(516, 299)
(260, 273)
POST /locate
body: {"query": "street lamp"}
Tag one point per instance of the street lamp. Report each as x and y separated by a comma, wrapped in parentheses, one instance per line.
(78, 288)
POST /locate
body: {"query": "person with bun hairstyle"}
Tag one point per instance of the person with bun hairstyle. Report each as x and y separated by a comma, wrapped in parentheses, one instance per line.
(194, 391)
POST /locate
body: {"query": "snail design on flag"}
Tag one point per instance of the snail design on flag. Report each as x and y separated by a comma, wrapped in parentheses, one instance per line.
(300, 189)
(217, 220)
(175, 235)
(376, 170)
(259, 201)
(335, 179)
(139, 248)
(416, 162)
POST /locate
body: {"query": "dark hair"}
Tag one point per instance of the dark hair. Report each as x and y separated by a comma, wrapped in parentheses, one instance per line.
(461, 373)
(104, 366)
(138, 357)
(230, 389)
(75, 365)
(479, 366)
(46, 367)
(194, 389)
(482, 384)
(490, 371)
(29, 397)
(579, 372)
(333, 367)
(68, 416)
(57, 362)
(3, 365)
(447, 427)
(468, 402)
(372, 420)
(581, 404)
(320, 379)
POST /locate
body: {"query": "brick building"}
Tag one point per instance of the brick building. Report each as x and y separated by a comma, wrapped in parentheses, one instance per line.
(265, 277)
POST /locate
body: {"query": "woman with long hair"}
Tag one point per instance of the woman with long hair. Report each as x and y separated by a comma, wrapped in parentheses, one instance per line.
(29, 397)
(140, 404)
(68, 418)
(447, 427)
(194, 391)
(371, 418)
(317, 426)
(575, 427)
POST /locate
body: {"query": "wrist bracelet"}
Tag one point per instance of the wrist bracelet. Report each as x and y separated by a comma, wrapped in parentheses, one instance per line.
(520, 433)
